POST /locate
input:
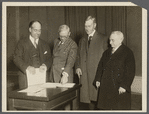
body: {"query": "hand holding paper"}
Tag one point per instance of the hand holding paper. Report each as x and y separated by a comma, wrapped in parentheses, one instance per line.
(64, 78)
(121, 90)
(31, 70)
(37, 78)
(43, 68)
(97, 84)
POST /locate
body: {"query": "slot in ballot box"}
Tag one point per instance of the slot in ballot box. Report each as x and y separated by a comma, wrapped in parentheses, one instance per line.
(45, 99)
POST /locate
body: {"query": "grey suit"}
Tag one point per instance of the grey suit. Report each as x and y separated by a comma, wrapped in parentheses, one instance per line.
(64, 57)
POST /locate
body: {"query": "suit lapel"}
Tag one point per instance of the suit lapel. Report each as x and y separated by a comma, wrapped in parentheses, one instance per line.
(86, 44)
(30, 47)
(39, 44)
(94, 40)
(85, 40)
(115, 55)
(117, 52)
(56, 46)
(62, 46)
(30, 44)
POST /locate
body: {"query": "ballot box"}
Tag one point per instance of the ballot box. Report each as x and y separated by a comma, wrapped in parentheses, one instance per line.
(47, 98)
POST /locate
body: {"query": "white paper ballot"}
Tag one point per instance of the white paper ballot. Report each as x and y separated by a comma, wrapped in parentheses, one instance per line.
(32, 89)
(37, 78)
(41, 93)
(36, 90)
(49, 85)
(54, 85)
(67, 85)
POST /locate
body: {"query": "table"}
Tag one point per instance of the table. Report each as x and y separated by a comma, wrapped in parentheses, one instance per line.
(55, 97)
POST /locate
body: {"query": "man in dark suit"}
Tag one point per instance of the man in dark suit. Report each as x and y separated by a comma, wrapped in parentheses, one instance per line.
(115, 73)
(64, 56)
(91, 47)
(31, 53)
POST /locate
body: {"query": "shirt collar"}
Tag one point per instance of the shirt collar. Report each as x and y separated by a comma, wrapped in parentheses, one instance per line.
(91, 34)
(117, 48)
(32, 39)
(60, 42)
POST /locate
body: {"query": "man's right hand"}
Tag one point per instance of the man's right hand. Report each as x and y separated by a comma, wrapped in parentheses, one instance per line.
(31, 69)
(97, 84)
(79, 72)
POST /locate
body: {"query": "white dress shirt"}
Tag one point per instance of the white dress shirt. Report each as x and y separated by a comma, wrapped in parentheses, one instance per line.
(32, 40)
(91, 34)
(114, 49)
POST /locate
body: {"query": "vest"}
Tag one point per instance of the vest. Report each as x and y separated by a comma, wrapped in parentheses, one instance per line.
(35, 58)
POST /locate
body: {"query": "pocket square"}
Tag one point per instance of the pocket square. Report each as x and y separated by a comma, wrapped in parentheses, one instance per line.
(45, 52)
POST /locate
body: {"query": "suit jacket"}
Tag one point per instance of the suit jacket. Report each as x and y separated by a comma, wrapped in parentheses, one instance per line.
(114, 71)
(64, 57)
(24, 54)
(87, 60)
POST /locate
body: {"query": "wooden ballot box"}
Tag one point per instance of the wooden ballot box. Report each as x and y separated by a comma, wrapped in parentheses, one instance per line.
(48, 99)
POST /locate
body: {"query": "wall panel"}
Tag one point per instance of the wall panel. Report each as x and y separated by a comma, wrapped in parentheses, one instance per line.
(40, 14)
(23, 22)
(134, 34)
(126, 19)
(11, 35)
(55, 18)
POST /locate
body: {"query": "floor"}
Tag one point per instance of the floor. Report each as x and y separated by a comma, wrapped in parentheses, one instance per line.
(136, 103)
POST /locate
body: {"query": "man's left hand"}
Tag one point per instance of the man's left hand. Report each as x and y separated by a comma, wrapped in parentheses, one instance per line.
(43, 68)
(64, 78)
(121, 90)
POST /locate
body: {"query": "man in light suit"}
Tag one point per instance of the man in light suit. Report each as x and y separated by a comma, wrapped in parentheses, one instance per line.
(31, 53)
(64, 56)
(115, 73)
(91, 47)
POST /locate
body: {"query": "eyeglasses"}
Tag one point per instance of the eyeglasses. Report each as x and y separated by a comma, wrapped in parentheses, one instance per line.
(36, 30)
(63, 37)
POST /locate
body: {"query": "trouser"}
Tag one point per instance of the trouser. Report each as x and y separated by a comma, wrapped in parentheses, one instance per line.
(93, 105)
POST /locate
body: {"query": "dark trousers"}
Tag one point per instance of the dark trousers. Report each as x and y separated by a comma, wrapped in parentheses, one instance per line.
(88, 106)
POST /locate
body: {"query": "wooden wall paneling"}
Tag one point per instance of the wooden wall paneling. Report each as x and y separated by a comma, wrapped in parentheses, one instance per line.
(115, 18)
(23, 22)
(134, 35)
(108, 17)
(11, 35)
(101, 19)
(81, 16)
(39, 13)
(72, 20)
(92, 10)
(119, 20)
(55, 18)
(123, 25)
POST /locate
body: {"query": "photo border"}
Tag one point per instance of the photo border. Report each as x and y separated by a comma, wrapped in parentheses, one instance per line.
(144, 53)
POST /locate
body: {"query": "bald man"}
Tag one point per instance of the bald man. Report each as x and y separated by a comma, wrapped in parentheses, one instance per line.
(115, 73)
(64, 56)
(31, 53)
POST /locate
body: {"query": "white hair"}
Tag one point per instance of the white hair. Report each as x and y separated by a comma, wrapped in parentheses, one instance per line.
(118, 33)
(64, 27)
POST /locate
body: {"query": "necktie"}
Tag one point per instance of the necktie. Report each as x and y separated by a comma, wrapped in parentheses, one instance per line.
(35, 44)
(89, 41)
